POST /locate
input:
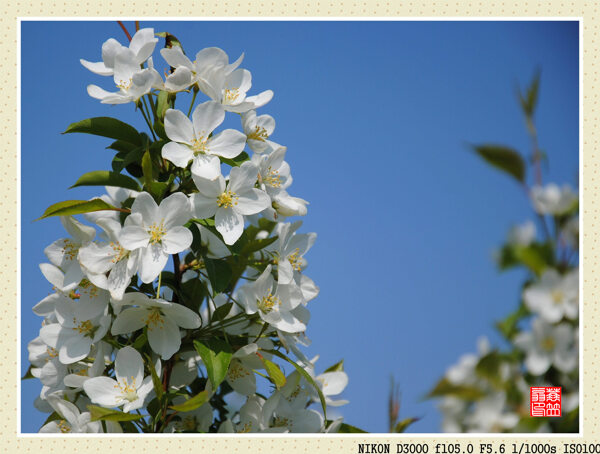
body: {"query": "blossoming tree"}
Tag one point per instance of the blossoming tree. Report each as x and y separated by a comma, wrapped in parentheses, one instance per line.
(489, 391)
(184, 284)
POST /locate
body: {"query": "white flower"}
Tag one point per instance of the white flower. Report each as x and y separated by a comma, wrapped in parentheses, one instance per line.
(491, 415)
(554, 296)
(63, 253)
(189, 73)
(98, 259)
(286, 205)
(463, 372)
(73, 420)
(114, 196)
(546, 345)
(522, 235)
(158, 231)
(551, 199)
(229, 204)
(198, 420)
(81, 323)
(132, 82)
(258, 129)
(129, 389)
(294, 418)
(142, 45)
(162, 318)
(289, 249)
(85, 371)
(229, 89)
(274, 303)
(273, 172)
(192, 140)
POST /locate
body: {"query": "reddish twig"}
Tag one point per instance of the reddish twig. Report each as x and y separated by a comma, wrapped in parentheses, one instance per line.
(124, 29)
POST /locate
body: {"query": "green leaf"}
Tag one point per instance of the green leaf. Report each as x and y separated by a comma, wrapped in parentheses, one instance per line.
(140, 341)
(529, 101)
(274, 372)
(508, 326)
(256, 245)
(106, 178)
(221, 312)
(237, 161)
(106, 127)
(219, 273)
(306, 376)
(122, 146)
(70, 207)
(348, 429)
(488, 367)
(125, 159)
(27, 375)
(216, 356)
(536, 256)
(107, 414)
(162, 104)
(158, 387)
(147, 168)
(337, 367)
(503, 158)
(401, 426)
(191, 404)
(445, 388)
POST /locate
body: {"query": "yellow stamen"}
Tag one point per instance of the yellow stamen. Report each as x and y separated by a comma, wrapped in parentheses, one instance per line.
(120, 252)
(557, 296)
(124, 84)
(230, 94)
(64, 426)
(295, 260)
(52, 353)
(236, 371)
(128, 389)
(154, 319)
(227, 199)
(267, 302)
(84, 327)
(548, 344)
(200, 145)
(70, 250)
(259, 133)
(157, 232)
(272, 178)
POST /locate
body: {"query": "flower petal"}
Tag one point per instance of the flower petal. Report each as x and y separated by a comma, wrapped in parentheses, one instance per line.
(178, 127)
(129, 366)
(229, 143)
(174, 210)
(178, 153)
(229, 224)
(182, 316)
(153, 262)
(133, 237)
(252, 202)
(177, 239)
(164, 338)
(206, 117)
(129, 321)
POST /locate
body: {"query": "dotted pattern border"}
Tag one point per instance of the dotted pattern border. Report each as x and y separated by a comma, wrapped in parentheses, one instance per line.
(11, 442)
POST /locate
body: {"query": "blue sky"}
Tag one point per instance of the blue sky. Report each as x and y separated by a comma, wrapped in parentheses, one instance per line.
(377, 117)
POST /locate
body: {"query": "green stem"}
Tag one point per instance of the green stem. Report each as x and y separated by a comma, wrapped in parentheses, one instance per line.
(192, 103)
(158, 288)
(141, 105)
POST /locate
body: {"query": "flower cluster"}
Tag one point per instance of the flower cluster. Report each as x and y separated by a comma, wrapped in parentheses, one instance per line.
(146, 329)
(490, 391)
